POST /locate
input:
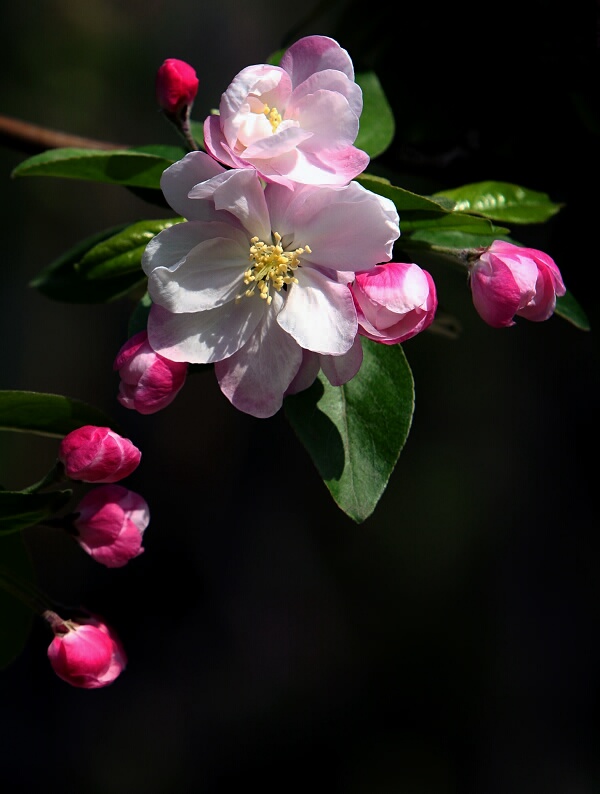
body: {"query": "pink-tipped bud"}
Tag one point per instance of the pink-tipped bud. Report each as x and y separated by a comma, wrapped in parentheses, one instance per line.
(176, 85)
(149, 382)
(509, 280)
(85, 653)
(111, 523)
(394, 302)
(97, 454)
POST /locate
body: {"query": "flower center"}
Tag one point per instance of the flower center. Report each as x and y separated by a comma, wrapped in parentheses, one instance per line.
(273, 267)
(273, 116)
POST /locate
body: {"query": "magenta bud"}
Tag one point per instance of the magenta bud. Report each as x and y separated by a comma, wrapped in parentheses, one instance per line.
(97, 454)
(111, 523)
(85, 653)
(149, 381)
(176, 85)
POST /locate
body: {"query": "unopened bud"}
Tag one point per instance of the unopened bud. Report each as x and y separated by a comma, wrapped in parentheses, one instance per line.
(176, 85)
(97, 454)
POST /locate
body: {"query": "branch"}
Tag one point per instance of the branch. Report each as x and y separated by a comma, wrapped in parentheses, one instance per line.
(33, 139)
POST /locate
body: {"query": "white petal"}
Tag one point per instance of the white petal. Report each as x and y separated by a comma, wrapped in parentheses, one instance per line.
(319, 313)
(178, 179)
(255, 379)
(204, 337)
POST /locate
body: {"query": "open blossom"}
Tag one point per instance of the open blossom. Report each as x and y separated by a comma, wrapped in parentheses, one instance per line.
(97, 454)
(510, 280)
(296, 122)
(85, 652)
(176, 85)
(110, 524)
(254, 276)
(394, 302)
(149, 382)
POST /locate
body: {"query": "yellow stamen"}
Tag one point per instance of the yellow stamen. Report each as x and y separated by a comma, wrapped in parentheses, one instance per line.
(273, 115)
(272, 267)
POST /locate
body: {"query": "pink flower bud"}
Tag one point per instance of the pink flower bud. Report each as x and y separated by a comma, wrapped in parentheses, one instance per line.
(85, 652)
(394, 302)
(97, 454)
(176, 85)
(149, 381)
(508, 280)
(111, 524)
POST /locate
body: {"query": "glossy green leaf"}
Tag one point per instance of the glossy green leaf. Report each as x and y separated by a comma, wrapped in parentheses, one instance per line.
(47, 414)
(121, 253)
(569, 309)
(355, 433)
(62, 280)
(377, 126)
(464, 236)
(132, 167)
(20, 510)
(502, 201)
(404, 200)
(15, 617)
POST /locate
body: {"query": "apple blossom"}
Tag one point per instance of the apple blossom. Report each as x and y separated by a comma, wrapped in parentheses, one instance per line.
(149, 381)
(97, 454)
(244, 241)
(296, 122)
(176, 85)
(394, 302)
(510, 280)
(85, 652)
(109, 524)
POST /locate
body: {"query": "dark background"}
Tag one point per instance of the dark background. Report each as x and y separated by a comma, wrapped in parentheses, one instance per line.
(447, 645)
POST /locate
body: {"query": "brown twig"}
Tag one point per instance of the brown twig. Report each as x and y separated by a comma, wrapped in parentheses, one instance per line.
(33, 139)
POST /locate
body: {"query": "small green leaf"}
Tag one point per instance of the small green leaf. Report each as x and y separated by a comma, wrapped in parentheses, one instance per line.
(138, 320)
(121, 254)
(445, 237)
(569, 309)
(132, 167)
(355, 433)
(15, 618)
(20, 510)
(377, 126)
(62, 281)
(47, 414)
(502, 201)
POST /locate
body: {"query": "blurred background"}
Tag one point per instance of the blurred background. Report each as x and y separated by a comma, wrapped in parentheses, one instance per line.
(447, 645)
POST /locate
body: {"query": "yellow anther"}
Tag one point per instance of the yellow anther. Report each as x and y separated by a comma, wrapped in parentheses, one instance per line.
(272, 267)
(273, 116)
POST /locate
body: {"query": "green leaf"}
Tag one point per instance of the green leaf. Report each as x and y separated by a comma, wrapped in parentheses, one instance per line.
(62, 280)
(141, 168)
(502, 201)
(377, 126)
(138, 320)
(47, 414)
(444, 237)
(355, 433)
(569, 309)
(15, 618)
(20, 510)
(404, 200)
(121, 253)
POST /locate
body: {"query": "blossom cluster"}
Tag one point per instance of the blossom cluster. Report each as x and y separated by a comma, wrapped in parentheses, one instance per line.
(285, 260)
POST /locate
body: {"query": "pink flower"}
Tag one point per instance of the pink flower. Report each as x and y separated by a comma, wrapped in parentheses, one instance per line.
(85, 652)
(296, 122)
(394, 302)
(176, 85)
(97, 454)
(149, 381)
(110, 524)
(254, 276)
(508, 280)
